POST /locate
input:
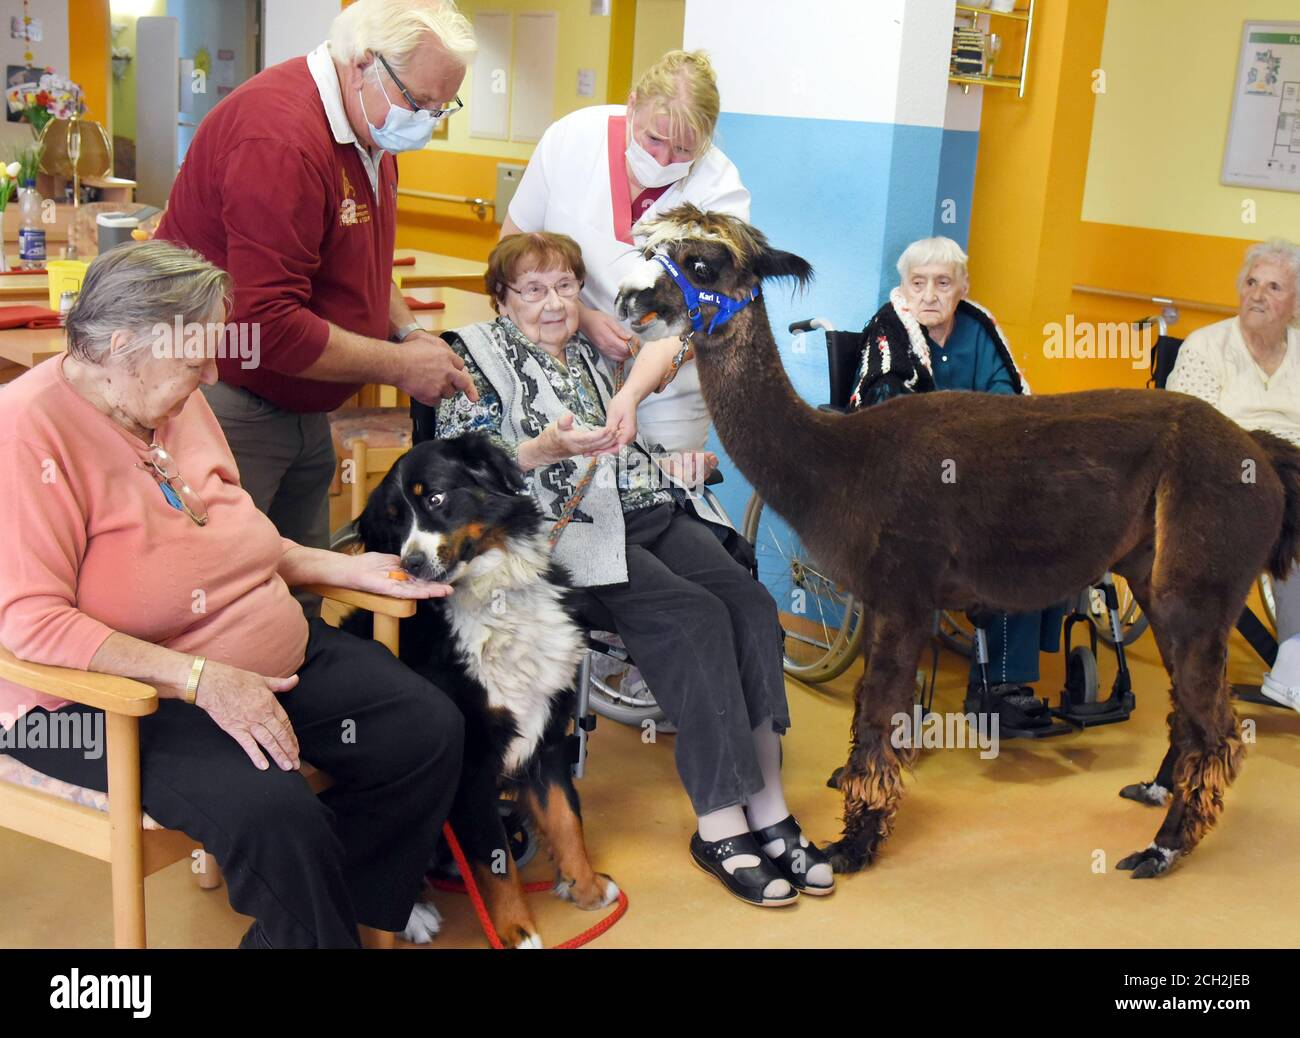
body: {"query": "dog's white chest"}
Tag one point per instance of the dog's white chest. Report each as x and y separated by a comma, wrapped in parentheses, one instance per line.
(522, 647)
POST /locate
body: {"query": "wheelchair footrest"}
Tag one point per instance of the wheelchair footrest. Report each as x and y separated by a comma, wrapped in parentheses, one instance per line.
(1114, 710)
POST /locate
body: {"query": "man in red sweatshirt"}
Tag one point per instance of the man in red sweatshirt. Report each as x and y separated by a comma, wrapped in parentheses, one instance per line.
(290, 185)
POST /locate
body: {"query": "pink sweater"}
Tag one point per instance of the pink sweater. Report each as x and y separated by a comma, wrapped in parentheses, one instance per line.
(89, 545)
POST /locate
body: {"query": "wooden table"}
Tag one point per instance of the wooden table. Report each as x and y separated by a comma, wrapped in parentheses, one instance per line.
(24, 288)
(463, 308)
(433, 270)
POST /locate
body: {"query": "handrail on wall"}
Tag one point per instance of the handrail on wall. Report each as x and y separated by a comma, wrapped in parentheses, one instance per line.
(1171, 305)
(479, 205)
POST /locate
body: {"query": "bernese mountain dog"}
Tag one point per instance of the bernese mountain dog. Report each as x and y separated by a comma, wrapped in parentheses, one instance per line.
(505, 646)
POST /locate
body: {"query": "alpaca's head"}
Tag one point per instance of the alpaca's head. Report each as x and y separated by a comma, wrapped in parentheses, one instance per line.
(716, 254)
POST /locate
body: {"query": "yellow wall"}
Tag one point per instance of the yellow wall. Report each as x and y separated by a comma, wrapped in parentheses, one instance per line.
(1161, 126)
(1029, 183)
(126, 12)
(88, 54)
(659, 27)
(461, 165)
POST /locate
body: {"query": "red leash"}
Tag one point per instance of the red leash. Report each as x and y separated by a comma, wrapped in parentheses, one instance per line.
(476, 899)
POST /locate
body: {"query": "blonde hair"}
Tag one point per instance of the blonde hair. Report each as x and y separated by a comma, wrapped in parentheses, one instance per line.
(683, 86)
(395, 28)
(928, 251)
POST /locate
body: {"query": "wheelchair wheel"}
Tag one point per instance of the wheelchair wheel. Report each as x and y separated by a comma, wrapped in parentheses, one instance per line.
(521, 839)
(346, 539)
(1266, 596)
(1132, 621)
(633, 705)
(821, 620)
(956, 633)
(1081, 681)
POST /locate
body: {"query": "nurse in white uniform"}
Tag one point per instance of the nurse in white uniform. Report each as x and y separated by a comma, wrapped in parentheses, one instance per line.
(600, 171)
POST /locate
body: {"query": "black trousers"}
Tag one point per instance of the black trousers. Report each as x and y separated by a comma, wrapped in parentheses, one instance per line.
(706, 637)
(307, 868)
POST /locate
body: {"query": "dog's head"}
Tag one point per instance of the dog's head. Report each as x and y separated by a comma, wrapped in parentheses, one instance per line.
(446, 504)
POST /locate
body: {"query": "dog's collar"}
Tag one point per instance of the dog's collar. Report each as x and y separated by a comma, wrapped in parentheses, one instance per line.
(726, 307)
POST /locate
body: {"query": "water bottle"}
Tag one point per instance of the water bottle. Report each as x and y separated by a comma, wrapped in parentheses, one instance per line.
(31, 232)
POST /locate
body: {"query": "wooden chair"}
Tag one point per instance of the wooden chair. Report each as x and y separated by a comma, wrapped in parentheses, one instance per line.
(114, 828)
(368, 440)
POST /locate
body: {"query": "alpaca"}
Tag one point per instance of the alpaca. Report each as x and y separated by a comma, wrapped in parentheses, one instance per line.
(946, 500)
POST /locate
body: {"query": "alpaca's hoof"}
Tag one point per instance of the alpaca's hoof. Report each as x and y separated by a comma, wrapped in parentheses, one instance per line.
(844, 858)
(1149, 863)
(1150, 793)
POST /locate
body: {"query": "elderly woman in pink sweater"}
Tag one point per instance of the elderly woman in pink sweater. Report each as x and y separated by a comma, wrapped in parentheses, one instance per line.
(128, 547)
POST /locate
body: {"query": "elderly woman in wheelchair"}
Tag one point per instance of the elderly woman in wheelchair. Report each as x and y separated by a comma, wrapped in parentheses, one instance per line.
(1248, 367)
(648, 555)
(929, 336)
(128, 547)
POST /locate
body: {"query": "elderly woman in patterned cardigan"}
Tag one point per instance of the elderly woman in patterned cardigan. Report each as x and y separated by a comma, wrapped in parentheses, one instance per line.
(704, 633)
(929, 336)
(1249, 368)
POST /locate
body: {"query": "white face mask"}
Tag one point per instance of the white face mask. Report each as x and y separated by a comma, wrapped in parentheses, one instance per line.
(647, 170)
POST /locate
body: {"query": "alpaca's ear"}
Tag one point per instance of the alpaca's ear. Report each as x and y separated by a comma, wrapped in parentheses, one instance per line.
(773, 263)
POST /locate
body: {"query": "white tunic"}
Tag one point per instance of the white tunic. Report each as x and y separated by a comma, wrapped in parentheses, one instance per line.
(566, 189)
(1216, 365)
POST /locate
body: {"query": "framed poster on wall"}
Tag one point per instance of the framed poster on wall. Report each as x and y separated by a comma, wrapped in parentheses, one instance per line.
(1263, 148)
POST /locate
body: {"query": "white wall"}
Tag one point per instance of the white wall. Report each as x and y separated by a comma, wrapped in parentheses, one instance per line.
(292, 28)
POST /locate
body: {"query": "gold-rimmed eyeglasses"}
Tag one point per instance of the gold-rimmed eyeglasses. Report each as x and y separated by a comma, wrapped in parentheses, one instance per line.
(180, 495)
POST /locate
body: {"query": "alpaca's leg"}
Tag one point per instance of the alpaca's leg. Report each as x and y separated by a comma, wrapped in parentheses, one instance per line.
(872, 780)
(1208, 752)
(1157, 792)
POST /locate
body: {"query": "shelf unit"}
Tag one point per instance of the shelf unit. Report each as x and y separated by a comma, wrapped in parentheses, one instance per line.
(1015, 82)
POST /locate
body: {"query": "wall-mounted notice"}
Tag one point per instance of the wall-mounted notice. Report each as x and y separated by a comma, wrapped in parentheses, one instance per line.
(532, 107)
(489, 101)
(1264, 134)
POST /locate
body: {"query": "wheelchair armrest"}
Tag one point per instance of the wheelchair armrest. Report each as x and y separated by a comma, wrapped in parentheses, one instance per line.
(713, 478)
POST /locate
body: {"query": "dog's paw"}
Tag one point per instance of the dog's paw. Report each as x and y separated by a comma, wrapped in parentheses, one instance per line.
(424, 924)
(1150, 793)
(1149, 863)
(599, 893)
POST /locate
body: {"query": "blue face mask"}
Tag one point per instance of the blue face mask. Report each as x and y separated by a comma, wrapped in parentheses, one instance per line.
(403, 130)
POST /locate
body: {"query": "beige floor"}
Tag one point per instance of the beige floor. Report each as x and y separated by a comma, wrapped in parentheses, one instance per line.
(986, 853)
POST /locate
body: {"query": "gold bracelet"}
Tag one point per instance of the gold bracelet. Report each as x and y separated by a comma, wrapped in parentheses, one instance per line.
(196, 673)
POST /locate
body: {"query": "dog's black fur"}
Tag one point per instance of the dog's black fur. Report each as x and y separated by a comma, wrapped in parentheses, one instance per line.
(444, 505)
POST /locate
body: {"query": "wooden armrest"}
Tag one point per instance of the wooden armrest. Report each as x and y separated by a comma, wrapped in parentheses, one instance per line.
(107, 692)
(381, 604)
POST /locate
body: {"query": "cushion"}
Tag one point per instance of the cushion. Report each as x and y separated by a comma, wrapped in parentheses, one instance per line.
(378, 426)
(19, 774)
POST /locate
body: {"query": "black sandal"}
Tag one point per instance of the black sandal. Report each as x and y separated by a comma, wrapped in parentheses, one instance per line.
(749, 881)
(797, 857)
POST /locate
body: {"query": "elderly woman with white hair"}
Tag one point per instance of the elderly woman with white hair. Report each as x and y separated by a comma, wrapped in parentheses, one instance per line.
(930, 336)
(1249, 368)
(129, 547)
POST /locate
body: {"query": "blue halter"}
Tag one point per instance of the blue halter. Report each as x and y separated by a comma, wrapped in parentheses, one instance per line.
(727, 308)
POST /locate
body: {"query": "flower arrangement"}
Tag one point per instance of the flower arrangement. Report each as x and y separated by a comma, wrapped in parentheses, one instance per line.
(53, 97)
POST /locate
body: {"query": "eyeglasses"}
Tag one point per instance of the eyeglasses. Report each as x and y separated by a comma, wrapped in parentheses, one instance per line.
(437, 111)
(535, 291)
(180, 497)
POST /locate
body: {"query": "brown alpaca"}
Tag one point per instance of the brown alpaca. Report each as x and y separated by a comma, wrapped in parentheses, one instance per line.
(999, 503)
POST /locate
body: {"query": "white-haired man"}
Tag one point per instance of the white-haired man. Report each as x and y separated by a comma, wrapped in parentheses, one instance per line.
(930, 336)
(290, 185)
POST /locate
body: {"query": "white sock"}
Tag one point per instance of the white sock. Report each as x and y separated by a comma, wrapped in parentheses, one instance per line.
(768, 806)
(1286, 668)
(730, 821)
